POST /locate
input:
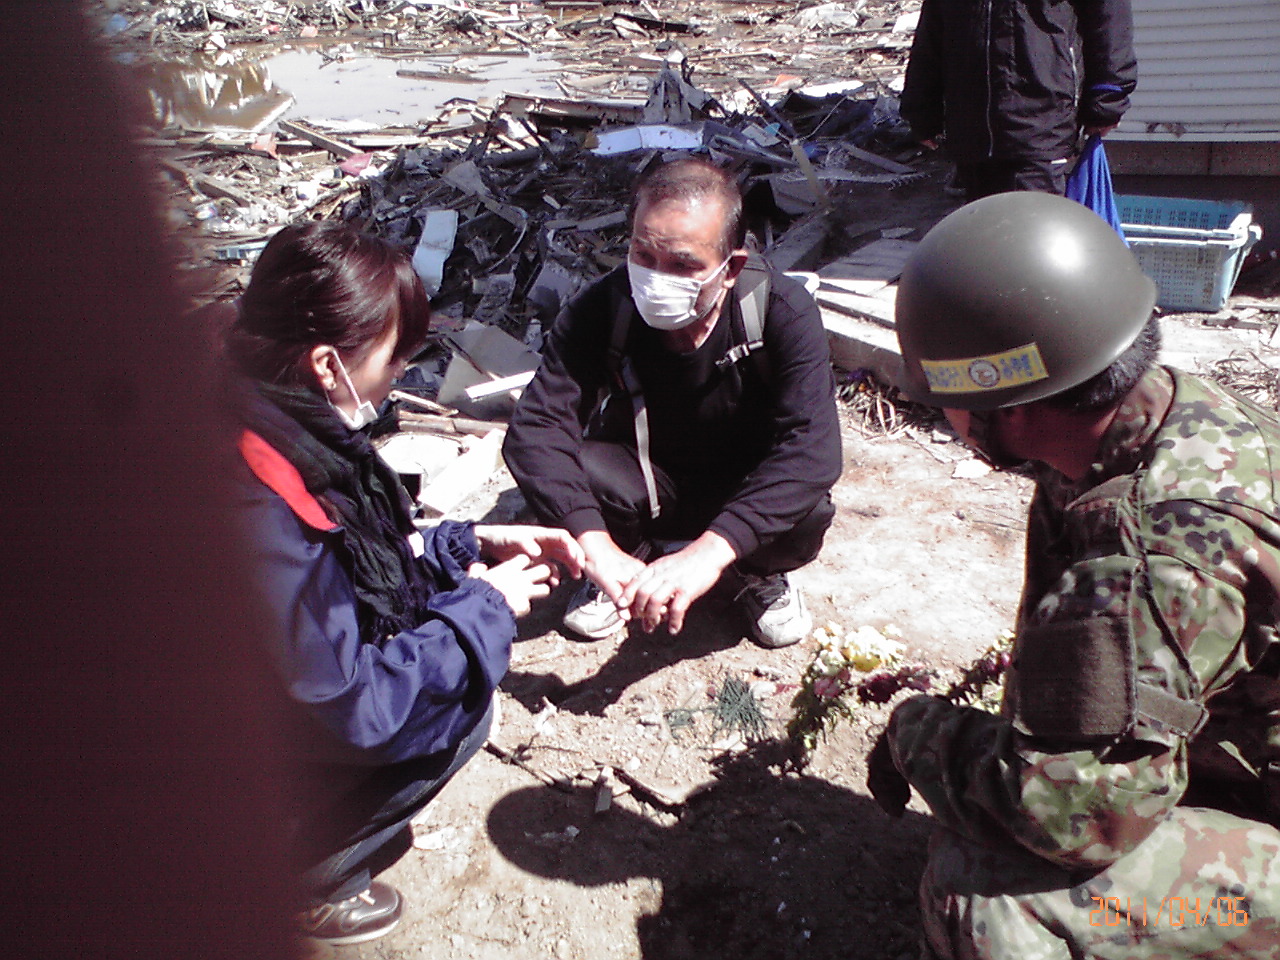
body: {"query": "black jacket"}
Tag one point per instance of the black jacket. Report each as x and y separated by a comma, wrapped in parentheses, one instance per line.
(765, 451)
(1016, 79)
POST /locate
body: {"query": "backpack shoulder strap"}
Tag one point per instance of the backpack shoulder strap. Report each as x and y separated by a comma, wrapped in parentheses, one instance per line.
(618, 366)
(616, 352)
(752, 294)
(753, 297)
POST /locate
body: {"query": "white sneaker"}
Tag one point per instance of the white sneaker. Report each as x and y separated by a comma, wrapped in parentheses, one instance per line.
(591, 614)
(777, 611)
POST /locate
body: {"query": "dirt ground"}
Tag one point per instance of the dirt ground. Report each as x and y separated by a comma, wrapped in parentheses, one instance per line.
(708, 849)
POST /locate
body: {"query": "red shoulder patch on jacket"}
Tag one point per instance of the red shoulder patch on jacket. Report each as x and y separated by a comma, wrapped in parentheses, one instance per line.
(282, 477)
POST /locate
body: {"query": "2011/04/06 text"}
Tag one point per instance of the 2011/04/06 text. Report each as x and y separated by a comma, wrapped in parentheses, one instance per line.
(1171, 911)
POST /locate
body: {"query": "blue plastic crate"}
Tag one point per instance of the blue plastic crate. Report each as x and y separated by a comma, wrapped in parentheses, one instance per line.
(1192, 249)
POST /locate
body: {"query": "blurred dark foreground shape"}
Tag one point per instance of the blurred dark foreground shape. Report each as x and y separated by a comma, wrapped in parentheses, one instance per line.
(139, 755)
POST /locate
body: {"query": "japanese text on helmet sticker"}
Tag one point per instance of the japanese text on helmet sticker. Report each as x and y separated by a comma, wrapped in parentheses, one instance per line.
(995, 371)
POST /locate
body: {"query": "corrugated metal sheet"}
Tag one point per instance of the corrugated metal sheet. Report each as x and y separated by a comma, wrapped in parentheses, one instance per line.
(1207, 70)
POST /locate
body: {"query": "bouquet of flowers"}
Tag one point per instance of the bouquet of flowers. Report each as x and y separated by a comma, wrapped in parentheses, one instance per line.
(864, 666)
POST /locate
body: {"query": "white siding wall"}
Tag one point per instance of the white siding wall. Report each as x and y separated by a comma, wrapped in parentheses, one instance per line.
(1207, 70)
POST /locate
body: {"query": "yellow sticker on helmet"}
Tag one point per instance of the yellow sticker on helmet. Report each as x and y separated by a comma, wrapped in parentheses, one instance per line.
(995, 371)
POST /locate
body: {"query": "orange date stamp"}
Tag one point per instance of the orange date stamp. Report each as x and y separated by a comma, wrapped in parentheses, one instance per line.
(1169, 911)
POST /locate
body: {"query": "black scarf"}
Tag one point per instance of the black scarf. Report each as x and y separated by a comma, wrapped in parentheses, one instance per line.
(340, 467)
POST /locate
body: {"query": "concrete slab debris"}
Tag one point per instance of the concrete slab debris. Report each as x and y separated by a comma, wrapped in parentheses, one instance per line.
(465, 474)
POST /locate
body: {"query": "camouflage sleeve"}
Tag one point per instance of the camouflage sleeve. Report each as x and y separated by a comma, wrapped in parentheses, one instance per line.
(1080, 803)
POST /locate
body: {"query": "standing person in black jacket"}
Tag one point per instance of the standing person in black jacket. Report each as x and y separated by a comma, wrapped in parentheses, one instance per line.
(714, 448)
(1013, 84)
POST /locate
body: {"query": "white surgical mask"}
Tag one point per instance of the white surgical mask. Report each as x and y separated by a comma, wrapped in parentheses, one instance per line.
(365, 412)
(665, 301)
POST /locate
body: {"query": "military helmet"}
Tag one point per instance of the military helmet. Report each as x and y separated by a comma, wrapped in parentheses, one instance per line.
(1016, 297)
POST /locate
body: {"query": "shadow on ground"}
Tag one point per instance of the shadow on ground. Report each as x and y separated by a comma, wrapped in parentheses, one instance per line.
(713, 624)
(760, 866)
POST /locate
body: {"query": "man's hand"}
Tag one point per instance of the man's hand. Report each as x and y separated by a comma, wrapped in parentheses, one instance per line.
(665, 588)
(610, 567)
(889, 788)
(545, 544)
(519, 582)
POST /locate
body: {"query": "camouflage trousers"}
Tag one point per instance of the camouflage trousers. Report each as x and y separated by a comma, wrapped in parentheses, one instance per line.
(1204, 884)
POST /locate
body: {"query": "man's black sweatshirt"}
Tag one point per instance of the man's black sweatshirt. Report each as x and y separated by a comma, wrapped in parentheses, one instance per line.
(759, 437)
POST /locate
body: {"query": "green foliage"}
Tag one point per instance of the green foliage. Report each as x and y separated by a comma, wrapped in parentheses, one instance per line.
(735, 709)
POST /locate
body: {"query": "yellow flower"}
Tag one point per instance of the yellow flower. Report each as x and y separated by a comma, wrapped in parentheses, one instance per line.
(868, 649)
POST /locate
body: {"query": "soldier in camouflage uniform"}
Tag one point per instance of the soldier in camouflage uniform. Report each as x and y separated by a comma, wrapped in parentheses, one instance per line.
(1124, 804)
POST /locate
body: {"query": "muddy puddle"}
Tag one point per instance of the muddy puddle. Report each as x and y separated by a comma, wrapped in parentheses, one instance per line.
(347, 87)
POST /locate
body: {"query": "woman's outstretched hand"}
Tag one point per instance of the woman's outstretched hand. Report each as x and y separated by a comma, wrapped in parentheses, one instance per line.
(545, 545)
(519, 581)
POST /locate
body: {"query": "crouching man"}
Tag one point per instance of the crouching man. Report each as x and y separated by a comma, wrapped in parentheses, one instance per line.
(1125, 803)
(683, 421)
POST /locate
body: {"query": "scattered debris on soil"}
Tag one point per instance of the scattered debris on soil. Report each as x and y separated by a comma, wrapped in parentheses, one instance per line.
(1249, 375)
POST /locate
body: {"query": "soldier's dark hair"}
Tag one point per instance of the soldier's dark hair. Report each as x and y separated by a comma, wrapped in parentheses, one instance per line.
(325, 283)
(691, 179)
(1112, 384)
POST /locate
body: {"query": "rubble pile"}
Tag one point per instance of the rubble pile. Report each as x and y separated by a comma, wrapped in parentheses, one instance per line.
(616, 36)
(513, 200)
(541, 206)
(537, 184)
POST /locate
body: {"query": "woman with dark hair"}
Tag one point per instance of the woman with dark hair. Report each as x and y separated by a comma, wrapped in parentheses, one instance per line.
(389, 640)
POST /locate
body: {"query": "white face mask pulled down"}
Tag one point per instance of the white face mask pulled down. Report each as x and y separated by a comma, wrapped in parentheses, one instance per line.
(665, 301)
(365, 413)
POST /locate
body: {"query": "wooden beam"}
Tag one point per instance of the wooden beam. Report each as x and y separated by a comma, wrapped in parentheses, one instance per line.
(207, 185)
(884, 163)
(303, 132)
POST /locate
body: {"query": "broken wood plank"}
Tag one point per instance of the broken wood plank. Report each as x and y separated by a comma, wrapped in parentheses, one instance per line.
(511, 158)
(655, 23)
(865, 288)
(439, 76)
(507, 756)
(617, 111)
(876, 160)
(449, 426)
(389, 141)
(800, 246)
(302, 131)
(1268, 306)
(206, 184)
(615, 219)
(426, 404)
(769, 110)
